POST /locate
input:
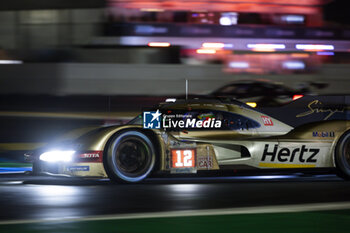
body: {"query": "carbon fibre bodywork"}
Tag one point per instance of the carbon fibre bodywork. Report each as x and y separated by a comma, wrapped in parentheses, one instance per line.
(307, 139)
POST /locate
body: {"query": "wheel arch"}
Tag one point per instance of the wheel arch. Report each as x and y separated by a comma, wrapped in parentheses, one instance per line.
(152, 135)
(336, 144)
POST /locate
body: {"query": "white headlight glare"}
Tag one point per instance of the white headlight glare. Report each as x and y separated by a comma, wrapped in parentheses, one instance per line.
(57, 156)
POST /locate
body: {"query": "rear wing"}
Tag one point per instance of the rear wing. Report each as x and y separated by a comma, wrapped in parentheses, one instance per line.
(312, 109)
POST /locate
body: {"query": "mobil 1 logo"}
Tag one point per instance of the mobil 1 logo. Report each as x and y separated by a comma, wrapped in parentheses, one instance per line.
(301, 154)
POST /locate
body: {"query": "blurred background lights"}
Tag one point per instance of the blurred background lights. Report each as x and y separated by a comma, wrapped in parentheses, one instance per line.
(213, 45)
(293, 18)
(294, 65)
(206, 51)
(314, 47)
(238, 65)
(228, 19)
(6, 62)
(159, 44)
(266, 46)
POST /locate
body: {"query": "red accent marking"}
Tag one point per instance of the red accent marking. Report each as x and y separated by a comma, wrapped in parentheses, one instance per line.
(181, 159)
(89, 157)
(295, 97)
(267, 121)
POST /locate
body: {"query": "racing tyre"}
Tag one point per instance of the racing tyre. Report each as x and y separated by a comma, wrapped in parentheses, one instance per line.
(342, 156)
(130, 157)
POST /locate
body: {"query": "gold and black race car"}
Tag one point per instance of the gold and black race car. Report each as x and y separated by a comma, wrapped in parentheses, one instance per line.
(190, 136)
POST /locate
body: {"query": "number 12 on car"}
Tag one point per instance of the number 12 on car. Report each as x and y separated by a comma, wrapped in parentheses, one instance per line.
(183, 158)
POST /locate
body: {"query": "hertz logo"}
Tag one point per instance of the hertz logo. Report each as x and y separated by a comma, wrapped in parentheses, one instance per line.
(302, 155)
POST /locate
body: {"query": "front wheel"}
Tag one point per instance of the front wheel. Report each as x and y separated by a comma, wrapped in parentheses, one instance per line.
(342, 156)
(130, 157)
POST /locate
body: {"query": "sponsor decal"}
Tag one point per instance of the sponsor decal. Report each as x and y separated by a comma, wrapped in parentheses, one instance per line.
(317, 106)
(152, 120)
(90, 155)
(205, 162)
(267, 121)
(191, 123)
(323, 134)
(157, 120)
(78, 168)
(299, 155)
(183, 158)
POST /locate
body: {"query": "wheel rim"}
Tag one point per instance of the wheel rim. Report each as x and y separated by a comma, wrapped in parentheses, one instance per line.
(132, 156)
(123, 167)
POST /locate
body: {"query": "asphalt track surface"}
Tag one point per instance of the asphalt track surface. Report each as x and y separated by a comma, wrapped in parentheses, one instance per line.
(41, 197)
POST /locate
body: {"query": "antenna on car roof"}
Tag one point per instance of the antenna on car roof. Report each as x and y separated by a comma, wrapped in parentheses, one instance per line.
(186, 89)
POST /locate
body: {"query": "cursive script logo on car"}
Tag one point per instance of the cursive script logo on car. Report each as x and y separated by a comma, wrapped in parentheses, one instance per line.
(316, 106)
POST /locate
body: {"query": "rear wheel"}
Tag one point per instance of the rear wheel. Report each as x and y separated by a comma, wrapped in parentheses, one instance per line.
(130, 157)
(342, 156)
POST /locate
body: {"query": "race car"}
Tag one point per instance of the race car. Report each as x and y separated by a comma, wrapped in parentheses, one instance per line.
(262, 93)
(254, 91)
(191, 136)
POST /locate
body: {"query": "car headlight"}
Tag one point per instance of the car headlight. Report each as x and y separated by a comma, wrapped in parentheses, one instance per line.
(57, 156)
